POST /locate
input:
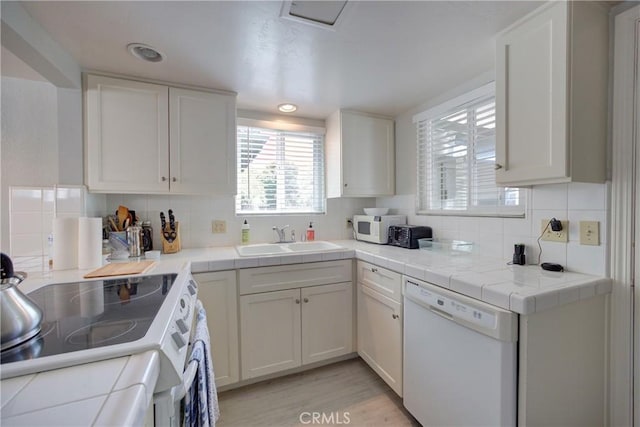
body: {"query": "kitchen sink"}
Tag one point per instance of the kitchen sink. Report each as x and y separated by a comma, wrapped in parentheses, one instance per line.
(312, 246)
(285, 248)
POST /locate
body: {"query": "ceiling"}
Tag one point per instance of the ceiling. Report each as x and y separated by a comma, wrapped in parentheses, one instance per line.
(384, 57)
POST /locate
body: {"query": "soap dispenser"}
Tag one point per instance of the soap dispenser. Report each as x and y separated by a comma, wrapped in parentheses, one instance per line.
(245, 233)
(311, 233)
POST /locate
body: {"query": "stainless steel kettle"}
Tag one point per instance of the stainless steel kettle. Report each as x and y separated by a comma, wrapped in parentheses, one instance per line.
(20, 317)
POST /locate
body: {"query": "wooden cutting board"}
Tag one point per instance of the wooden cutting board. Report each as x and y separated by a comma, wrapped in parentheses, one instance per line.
(120, 269)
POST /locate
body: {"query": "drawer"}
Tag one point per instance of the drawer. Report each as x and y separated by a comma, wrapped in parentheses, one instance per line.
(381, 280)
(276, 278)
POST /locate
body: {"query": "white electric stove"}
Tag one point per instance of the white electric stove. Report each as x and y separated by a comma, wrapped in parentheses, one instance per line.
(96, 320)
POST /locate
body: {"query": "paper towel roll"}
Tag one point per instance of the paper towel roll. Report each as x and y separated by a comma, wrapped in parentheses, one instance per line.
(65, 243)
(89, 242)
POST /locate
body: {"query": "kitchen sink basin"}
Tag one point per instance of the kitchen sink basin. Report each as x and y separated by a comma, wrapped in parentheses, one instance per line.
(285, 248)
(261, 249)
(312, 246)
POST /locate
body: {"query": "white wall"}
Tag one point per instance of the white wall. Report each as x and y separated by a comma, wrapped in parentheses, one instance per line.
(196, 213)
(29, 139)
(497, 236)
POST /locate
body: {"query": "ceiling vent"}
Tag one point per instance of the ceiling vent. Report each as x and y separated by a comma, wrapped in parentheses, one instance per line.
(325, 14)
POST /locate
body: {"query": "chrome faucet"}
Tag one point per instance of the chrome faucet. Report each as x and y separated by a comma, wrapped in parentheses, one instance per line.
(281, 234)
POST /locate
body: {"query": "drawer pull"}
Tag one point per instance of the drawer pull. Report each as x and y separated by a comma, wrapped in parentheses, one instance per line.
(395, 316)
(297, 300)
(374, 270)
(306, 300)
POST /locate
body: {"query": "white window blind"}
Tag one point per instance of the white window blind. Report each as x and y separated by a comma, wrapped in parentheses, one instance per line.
(456, 159)
(280, 171)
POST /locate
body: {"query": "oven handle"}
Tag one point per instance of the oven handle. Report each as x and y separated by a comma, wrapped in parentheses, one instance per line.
(188, 376)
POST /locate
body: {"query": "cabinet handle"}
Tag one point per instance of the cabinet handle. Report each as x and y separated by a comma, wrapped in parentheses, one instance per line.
(497, 166)
(306, 300)
(374, 270)
(174, 179)
(297, 301)
(395, 316)
(164, 178)
(345, 184)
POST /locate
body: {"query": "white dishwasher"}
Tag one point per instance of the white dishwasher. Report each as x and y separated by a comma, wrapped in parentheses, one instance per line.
(460, 358)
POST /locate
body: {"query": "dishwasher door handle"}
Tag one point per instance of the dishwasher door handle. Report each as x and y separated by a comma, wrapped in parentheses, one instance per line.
(440, 313)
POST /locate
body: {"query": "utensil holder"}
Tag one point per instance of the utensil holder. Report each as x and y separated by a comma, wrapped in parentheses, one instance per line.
(174, 246)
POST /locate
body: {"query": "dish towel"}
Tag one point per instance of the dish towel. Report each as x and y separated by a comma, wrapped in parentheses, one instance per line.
(201, 401)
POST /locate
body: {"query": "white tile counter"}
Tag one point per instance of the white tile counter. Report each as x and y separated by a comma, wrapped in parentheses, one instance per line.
(118, 391)
(522, 289)
(110, 392)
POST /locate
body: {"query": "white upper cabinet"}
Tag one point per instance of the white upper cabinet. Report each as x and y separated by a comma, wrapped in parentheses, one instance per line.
(360, 152)
(551, 96)
(150, 138)
(126, 136)
(202, 142)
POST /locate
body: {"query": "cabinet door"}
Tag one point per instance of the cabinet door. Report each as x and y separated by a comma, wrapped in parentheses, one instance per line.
(218, 293)
(327, 322)
(380, 335)
(270, 332)
(531, 99)
(126, 136)
(386, 282)
(367, 142)
(203, 141)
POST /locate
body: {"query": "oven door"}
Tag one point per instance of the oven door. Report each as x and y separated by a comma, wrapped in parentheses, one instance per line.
(169, 409)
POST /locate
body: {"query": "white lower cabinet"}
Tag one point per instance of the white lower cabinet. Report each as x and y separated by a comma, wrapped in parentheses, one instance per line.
(218, 293)
(288, 328)
(270, 331)
(379, 322)
(326, 321)
(285, 329)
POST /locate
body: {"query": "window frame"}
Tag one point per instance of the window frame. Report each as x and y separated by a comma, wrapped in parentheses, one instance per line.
(438, 111)
(282, 126)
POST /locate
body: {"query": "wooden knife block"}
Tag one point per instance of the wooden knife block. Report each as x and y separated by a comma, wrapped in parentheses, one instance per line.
(171, 247)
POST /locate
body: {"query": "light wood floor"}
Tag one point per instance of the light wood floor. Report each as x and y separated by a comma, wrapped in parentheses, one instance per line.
(345, 391)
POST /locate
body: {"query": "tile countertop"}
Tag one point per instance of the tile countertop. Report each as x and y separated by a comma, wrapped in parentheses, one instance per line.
(114, 392)
(118, 391)
(521, 289)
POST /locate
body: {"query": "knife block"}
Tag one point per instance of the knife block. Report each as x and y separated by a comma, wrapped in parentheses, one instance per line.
(174, 246)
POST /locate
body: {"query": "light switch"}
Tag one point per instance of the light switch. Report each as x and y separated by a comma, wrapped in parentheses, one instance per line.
(590, 233)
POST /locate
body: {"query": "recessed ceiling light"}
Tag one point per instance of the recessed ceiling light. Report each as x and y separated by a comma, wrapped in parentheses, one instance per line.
(144, 52)
(287, 108)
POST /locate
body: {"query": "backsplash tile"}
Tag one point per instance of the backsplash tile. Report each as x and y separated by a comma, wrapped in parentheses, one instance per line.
(574, 202)
(31, 213)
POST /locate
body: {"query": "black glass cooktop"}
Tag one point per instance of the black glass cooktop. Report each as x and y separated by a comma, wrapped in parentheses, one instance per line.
(86, 315)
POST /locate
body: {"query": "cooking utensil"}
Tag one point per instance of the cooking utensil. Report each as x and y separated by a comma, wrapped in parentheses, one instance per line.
(165, 231)
(112, 223)
(172, 226)
(20, 317)
(123, 214)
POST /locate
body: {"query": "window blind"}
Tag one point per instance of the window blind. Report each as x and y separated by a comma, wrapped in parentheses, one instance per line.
(456, 159)
(279, 171)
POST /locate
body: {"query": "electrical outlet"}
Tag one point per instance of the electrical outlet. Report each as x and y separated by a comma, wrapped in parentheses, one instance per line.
(349, 223)
(219, 226)
(590, 233)
(555, 236)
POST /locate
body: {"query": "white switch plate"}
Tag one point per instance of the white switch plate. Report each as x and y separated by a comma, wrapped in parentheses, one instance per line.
(555, 236)
(590, 233)
(219, 226)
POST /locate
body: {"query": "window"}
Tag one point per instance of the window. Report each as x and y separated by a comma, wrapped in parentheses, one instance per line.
(280, 168)
(456, 159)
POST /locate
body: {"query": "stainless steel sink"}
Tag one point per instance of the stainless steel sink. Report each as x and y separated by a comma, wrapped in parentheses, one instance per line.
(285, 248)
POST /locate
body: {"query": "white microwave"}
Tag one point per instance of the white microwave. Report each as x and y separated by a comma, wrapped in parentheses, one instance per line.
(375, 229)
